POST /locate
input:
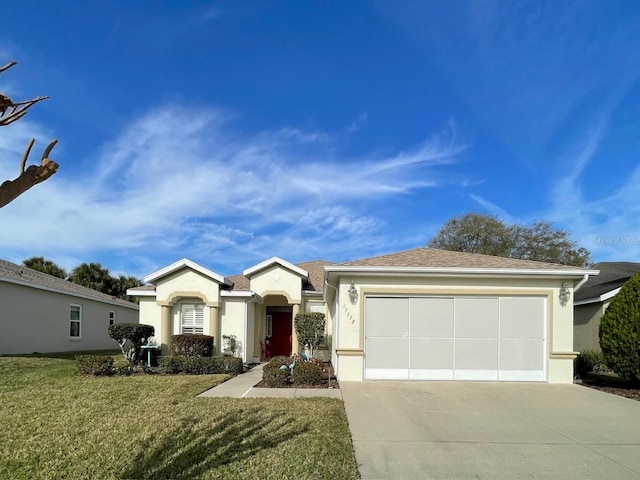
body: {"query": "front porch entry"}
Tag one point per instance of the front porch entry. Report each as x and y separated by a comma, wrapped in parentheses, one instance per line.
(279, 322)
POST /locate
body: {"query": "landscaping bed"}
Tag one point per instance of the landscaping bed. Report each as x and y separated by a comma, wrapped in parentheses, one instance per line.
(329, 380)
(613, 384)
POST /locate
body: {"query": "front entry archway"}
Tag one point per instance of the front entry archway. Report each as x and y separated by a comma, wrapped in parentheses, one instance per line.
(281, 332)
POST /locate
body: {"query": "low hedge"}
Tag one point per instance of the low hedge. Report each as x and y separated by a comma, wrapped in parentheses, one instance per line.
(307, 373)
(200, 365)
(192, 345)
(275, 377)
(97, 365)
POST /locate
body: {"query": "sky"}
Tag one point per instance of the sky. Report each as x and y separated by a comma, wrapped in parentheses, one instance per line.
(231, 132)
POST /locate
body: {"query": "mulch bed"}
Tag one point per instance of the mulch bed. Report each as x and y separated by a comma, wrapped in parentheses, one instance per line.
(616, 387)
(328, 380)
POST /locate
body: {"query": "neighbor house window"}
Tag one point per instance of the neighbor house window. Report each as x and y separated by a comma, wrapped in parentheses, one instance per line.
(112, 317)
(192, 319)
(75, 321)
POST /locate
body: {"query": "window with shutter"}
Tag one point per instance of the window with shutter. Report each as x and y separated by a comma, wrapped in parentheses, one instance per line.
(192, 319)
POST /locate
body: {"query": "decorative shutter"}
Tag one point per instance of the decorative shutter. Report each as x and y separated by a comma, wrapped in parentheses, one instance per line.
(199, 319)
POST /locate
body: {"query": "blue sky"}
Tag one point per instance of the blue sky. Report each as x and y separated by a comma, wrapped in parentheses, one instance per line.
(229, 132)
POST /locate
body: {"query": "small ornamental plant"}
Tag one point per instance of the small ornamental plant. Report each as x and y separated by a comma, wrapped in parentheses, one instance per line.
(131, 337)
(310, 329)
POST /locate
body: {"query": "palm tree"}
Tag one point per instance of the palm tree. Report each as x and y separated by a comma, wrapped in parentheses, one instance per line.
(43, 265)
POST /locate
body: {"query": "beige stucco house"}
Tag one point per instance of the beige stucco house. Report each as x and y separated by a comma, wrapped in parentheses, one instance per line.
(592, 300)
(41, 313)
(421, 314)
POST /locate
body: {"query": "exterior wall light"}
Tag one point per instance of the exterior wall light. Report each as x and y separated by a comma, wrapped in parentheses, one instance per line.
(353, 294)
(565, 294)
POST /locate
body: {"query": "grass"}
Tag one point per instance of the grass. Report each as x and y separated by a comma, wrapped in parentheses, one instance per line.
(56, 424)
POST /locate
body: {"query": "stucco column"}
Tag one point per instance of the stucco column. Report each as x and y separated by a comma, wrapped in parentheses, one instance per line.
(295, 347)
(165, 329)
(214, 330)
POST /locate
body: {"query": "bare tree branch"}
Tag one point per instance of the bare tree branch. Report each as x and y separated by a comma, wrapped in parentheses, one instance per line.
(10, 112)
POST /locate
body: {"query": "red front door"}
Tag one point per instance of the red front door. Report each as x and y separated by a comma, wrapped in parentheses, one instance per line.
(281, 333)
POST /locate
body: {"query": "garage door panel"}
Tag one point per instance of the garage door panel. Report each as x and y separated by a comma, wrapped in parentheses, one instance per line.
(521, 318)
(476, 354)
(521, 354)
(431, 354)
(387, 352)
(431, 317)
(387, 317)
(476, 317)
(455, 338)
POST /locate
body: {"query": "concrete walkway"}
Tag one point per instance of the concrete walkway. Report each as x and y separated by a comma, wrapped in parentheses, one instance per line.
(241, 386)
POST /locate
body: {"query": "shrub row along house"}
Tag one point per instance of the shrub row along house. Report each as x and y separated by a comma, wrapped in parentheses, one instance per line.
(42, 313)
(421, 314)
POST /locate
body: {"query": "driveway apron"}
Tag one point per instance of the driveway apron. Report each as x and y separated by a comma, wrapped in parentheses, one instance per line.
(468, 430)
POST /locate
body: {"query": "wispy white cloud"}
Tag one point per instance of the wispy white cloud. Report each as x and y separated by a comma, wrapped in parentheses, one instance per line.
(180, 182)
(492, 208)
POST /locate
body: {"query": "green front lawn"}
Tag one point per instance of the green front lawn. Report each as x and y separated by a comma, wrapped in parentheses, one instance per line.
(54, 424)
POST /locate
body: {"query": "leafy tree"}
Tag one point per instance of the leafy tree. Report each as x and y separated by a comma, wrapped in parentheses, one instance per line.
(476, 233)
(10, 112)
(620, 331)
(310, 329)
(131, 337)
(43, 265)
(92, 275)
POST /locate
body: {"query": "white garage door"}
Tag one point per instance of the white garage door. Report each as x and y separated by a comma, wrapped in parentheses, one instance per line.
(455, 338)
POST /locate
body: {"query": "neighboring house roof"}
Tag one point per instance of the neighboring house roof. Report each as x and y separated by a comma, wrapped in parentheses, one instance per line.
(612, 276)
(21, 275)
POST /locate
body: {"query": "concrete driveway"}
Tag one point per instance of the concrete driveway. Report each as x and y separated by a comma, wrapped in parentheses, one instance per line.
(491, 430)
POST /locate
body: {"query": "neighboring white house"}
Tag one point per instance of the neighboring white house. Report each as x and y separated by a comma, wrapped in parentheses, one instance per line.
(41, 313)
(592, 300)
(421, 314)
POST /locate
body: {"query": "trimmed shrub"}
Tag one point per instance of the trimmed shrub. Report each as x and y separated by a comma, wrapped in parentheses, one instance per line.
(96, 365)
(130, 337)
(279, 361)
(231, 365)
(589, 361)
(200, 365)
(620, 331)
(274, 377)
(192, 345)
(307, 373)
(310, 329)
(171, 365)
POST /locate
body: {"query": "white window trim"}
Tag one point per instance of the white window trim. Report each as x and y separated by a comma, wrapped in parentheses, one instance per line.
(197, 328)
(112, 317)
(79, 321)
(269, 329)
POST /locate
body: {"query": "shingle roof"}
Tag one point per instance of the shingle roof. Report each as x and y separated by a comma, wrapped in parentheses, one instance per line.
(12, 272)
(612, 275)
(435, 258)
(316, 274)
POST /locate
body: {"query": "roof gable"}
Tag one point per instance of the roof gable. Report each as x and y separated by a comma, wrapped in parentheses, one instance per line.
(249, 272)
(185, 263)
